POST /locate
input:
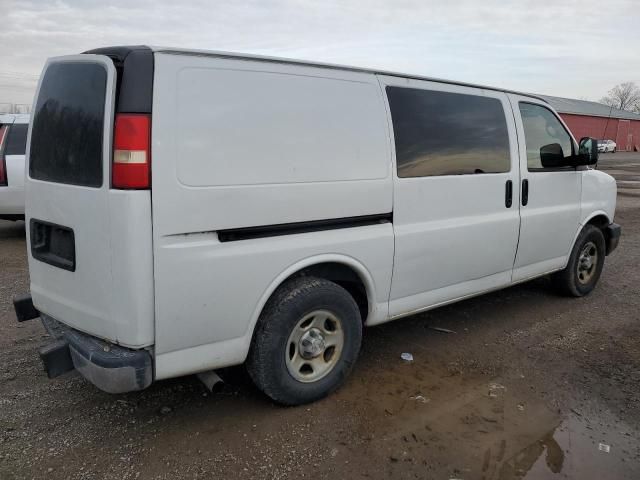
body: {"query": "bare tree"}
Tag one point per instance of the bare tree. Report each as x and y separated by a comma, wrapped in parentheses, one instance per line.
(625, 96)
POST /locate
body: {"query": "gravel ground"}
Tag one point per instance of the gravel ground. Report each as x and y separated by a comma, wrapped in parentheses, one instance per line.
(531, 385)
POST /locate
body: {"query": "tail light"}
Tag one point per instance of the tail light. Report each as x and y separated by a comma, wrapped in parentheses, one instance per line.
(131, 152)
(3, 165)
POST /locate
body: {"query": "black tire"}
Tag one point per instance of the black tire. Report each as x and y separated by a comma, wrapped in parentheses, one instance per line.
(570, 281)
(297, 298)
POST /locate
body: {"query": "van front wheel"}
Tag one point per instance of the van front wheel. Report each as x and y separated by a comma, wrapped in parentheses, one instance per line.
(306, 341)
(585, 264)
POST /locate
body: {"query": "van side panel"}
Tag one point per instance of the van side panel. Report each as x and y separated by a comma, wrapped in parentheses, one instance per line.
(240, 144)
(211, 293)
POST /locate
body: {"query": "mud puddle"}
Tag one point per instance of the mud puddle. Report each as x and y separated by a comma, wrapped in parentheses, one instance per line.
(578, 448)
(434, 423)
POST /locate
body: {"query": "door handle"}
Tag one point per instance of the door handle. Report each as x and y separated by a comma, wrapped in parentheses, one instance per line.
(508, 194)
(525, 192)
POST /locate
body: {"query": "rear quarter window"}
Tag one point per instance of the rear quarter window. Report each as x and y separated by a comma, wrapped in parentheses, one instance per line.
(68, 122)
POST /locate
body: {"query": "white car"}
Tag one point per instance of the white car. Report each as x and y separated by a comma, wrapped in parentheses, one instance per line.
(13, 139)
(607, 146)
(192, 210)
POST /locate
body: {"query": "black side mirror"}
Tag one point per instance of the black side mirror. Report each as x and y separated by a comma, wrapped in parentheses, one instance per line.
(552, 156)
(587, 151)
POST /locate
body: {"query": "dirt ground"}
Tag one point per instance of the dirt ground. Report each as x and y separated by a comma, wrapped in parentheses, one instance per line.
(531, 385)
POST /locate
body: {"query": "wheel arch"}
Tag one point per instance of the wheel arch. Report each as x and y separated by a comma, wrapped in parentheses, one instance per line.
(342, 269)
(598, 218)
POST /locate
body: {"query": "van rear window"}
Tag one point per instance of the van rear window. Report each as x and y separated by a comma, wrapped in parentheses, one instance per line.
(68, 122)
(17, 139)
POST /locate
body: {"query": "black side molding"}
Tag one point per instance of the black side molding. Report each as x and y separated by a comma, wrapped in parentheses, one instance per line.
(263, 231)
(23, 305)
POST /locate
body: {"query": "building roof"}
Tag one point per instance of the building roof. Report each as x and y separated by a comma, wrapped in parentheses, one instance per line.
(584, 107)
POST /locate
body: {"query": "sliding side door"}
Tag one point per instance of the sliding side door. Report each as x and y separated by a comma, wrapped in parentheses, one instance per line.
(455, 181)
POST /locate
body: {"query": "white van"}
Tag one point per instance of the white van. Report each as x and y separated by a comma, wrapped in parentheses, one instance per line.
(193, 210)
(13, 142)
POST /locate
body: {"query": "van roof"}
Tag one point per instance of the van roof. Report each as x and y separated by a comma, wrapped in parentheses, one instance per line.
(266, 58)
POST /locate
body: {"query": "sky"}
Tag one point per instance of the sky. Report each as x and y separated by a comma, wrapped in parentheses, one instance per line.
(571, 48)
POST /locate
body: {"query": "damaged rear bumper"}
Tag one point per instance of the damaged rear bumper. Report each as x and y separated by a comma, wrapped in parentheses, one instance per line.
(109, 367)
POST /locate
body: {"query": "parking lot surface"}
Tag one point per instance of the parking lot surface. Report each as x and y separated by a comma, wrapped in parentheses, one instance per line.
(527, 384)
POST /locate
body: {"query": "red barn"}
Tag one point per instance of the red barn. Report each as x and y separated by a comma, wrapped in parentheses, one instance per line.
(592, 119)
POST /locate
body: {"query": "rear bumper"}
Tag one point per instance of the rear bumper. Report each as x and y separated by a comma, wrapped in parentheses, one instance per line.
(111, 368)
(612, 236)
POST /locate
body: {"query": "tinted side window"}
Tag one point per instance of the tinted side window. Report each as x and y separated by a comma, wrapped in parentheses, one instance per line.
(17, 139)
(66, 141)
(543, 129)
(442, 133)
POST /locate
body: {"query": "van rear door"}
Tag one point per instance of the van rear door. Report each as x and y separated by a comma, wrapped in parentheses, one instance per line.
(89, 245)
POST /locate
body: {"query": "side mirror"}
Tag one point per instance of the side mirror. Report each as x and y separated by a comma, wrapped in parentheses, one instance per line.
(587, 151)
(552, 156)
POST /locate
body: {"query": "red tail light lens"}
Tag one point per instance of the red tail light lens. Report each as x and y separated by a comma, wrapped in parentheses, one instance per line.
(3, 165)
(131, 167)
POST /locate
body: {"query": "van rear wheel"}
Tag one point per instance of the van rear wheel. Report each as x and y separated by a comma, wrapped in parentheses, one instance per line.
(306, 341)
(585, 264)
